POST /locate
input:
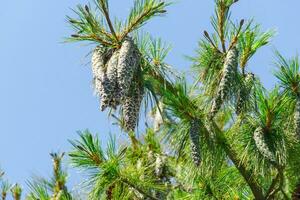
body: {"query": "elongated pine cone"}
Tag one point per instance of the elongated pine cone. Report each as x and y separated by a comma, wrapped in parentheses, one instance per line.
(112, 76)
(129, 61)
(131, 106)
(260, 141)
(195, 141)
(229, 70)
(297, 117)
(102, 84)
(244, 93)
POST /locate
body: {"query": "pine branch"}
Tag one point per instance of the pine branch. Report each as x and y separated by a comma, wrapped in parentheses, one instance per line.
(87, 152)
(138, 189)
(251, 39)
(245, 172)
(235, 38)
(142, 12)
(103, 5)
(222, 13)
(211, 41)
(272, 186)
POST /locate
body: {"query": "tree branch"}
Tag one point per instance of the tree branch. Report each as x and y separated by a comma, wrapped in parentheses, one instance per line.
(247, 174)
(272, 186)
(138, 189)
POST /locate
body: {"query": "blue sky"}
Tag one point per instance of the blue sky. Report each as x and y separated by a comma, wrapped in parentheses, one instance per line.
(45, 85)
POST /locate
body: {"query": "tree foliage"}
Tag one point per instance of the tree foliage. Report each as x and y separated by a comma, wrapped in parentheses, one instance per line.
(224, 137)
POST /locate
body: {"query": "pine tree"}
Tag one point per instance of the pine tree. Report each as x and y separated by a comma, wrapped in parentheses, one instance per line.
(223, 137)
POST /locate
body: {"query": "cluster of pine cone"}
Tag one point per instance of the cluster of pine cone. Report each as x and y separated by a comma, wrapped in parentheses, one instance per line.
(116, 80)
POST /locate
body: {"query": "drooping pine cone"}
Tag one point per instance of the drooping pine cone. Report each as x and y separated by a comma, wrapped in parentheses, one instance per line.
(129, 61)
(131, 106)
(229, 70)
(195, 141)
(244, 93)
(262, 146)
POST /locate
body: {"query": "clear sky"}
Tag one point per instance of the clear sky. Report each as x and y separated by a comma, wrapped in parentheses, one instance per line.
(45, 85)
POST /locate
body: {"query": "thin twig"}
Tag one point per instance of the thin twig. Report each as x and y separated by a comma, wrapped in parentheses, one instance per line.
(234, 40)
(221, 24)
(106, 15)
(137, 21)
(138, 189)
(211, 41)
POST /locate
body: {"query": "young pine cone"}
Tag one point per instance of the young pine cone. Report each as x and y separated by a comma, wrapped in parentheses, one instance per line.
(229, 71)
(101, 82)
(99, 58)
(195, 141)
(129, 60)
(112, 76)
(297, 117)
(131, 106)
(244, 93)
(260, 141)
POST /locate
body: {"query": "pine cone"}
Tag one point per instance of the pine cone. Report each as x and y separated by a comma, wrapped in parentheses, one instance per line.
(229, 70)
(244, 92)
(131, 106)
(260, 141)
(101, 82)
(195, 141)
(297, 117)
(98, 62)
(129, 60)
(112, 76)
(296, 193)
